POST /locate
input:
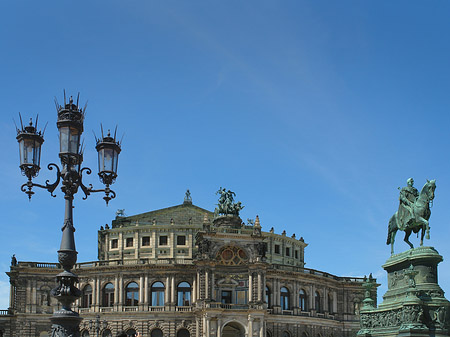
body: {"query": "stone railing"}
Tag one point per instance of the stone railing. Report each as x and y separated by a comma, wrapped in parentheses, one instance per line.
(95, 264)
(183, 309)
(316, 272)
(7, 312)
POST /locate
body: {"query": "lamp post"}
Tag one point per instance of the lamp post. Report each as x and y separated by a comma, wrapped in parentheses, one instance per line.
(65, 322)
(97, 325)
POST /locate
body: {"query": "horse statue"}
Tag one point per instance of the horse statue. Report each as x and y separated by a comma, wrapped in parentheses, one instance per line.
(418, 220)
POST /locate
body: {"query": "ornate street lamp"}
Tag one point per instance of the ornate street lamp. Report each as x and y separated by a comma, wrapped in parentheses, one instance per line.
(97, 325)
(65, 322)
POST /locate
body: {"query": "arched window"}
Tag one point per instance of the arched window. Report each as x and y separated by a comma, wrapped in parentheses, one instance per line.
(85, 333)
(183, 333)
(317, 302)
(330, 303)
(132, 294)
(156, 333)
(107, 333)
(284, 298)
(268, 333)
(268, 297)
(302, 300)
(286, 334)
(86, 300)
(184, 294)
(108, 295)
(157, 295)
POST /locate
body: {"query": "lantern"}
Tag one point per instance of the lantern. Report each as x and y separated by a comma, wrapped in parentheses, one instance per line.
(30, 142)
(108, 155)
(70, 126)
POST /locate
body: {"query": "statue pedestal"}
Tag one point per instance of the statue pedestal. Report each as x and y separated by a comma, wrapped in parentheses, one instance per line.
(414, 304)
(228, 221)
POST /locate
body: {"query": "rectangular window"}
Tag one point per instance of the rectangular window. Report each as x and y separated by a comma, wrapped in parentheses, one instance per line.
(145, 241)
(163, 240)
(296, 254)
(277, 249)
(181, 240)
(129, 242)
(288, 251)
(114, 243)
(226, 296)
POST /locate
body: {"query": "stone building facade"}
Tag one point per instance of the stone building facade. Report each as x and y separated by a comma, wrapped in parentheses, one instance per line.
(182, 271)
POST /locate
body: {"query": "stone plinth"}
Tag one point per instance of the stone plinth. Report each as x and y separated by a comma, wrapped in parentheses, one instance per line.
(414, 304)
(228, 221)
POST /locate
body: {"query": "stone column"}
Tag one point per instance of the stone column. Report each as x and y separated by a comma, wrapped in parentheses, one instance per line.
(250, 326)
(34, 297)
(204, 326)
(334, 301)
(206, 284)
(107, 247)
(141, 292)
(97, 295)
(199, 295)
(261, 327)
(250, 287)
(213, 290)
(296, 302)
(219, 327)
(259, 287)
(120, 245)
(276, 292)
(146, 292)
(120, 293)
(208, 326)
(116, 292)
(28, 297)
(167, 293)
(197, 328)
(172, 295)
(194, 290)
(154, 244)
(11, 295)
(136, 245)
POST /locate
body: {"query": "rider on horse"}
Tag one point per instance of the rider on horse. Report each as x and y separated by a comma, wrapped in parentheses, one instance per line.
(408, 196)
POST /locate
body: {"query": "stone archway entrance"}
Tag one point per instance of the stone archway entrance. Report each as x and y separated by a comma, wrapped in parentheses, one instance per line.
(233, 329)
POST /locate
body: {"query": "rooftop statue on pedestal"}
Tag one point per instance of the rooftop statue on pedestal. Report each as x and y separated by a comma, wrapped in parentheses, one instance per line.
(227, 211)
(226, 205)
(413, 212)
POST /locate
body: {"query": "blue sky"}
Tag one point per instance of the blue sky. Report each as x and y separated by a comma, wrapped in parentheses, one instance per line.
(313, 112)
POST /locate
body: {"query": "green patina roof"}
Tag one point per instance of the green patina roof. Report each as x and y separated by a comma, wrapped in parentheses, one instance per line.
(180, 214)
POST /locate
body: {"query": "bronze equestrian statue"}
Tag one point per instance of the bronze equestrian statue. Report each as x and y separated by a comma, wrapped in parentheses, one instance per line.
(413, 212)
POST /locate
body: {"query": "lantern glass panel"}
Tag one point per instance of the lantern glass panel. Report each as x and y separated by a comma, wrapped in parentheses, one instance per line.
(69, 139)
(106, 157)
(30, 152)
(115, 162)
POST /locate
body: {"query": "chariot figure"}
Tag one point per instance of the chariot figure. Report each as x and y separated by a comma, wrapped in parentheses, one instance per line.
(408, 196)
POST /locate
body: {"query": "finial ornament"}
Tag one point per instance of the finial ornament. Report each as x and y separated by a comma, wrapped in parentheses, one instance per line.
(413, 213)
(187, 197)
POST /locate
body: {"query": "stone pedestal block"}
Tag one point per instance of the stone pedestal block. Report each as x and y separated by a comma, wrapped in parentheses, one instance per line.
(414, 304)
